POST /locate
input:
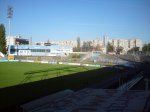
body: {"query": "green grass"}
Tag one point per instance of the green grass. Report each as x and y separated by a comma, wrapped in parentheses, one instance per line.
(13, 73)
(60, 77)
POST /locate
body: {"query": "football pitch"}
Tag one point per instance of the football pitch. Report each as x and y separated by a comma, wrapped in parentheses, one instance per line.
(14, 73)
(44, 79)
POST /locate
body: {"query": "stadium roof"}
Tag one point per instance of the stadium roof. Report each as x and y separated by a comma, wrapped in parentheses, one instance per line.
(41, 47)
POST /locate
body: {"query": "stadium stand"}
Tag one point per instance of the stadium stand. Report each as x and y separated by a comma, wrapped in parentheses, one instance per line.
(91, 100)
(127, 57)
(132, 82)
(81, 57)
(45, 101)
(105, 58)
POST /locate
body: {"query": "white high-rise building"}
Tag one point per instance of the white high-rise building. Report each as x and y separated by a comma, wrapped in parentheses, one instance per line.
(132, 43)
(97, 42)
(124, 43)
(105, 41)
(127, 44)
(135, 43)
(139, 43)
(115, 42)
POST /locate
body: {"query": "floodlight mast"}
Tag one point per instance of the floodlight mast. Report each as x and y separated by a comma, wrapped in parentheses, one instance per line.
(9, 16)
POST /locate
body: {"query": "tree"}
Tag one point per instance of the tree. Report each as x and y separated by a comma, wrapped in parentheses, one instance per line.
(119, 49)
(134, 50)
(78, 44)
(2, 39)
(84, 47)
(98, 47)
(74, 49)
(146, 48)
(110, 48)
(87, 46)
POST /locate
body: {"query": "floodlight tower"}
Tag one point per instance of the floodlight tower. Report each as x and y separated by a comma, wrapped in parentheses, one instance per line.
(9, 16)
(105, 42)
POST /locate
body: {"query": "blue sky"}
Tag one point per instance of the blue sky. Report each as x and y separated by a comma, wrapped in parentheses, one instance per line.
(67, 19)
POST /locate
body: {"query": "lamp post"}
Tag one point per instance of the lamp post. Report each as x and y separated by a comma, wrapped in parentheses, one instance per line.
(17, 43)
(9, 16)
(17, 49)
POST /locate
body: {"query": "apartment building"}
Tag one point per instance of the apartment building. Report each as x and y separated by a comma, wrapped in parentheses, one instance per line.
(127, 44)
(135, 43)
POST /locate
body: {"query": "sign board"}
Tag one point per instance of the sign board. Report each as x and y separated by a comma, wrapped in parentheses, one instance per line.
(11, 57)
(24, 52)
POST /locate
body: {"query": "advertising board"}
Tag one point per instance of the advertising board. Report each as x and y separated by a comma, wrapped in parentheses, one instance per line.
(11, 57)
(24, 52)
